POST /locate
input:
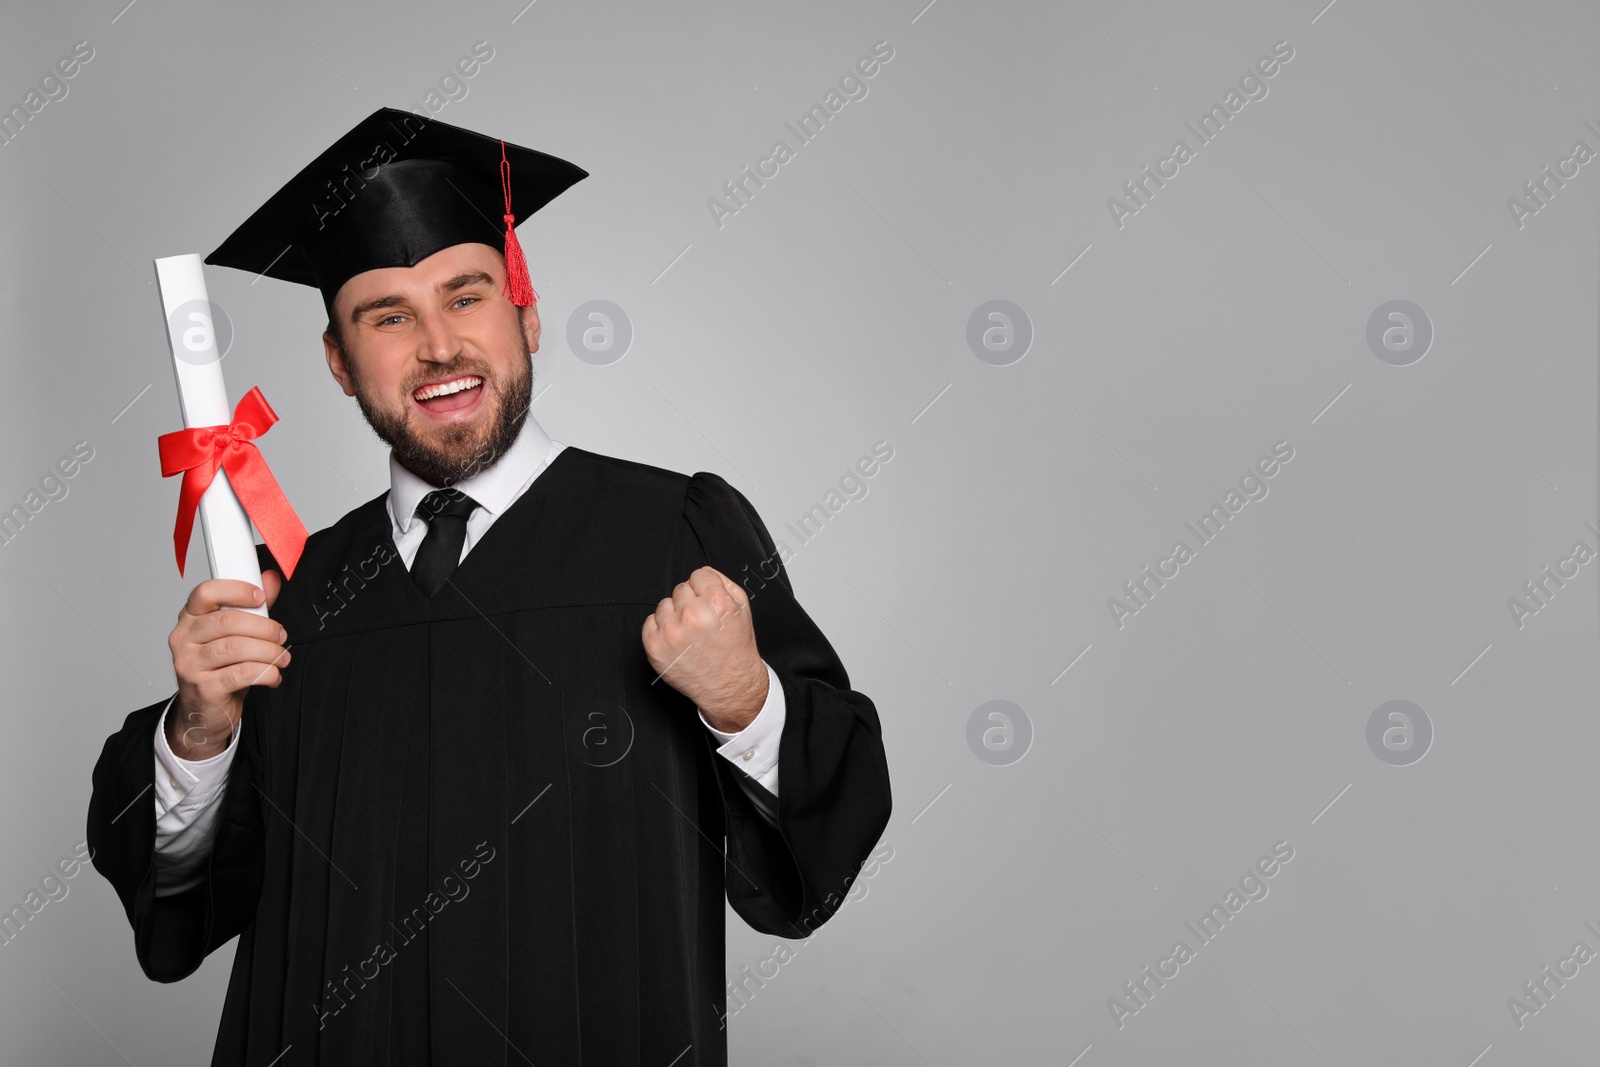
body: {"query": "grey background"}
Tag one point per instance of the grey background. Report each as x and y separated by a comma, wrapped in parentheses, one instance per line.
(831, 312)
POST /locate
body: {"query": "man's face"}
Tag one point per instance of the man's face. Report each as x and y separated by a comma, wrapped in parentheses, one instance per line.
(438, 359)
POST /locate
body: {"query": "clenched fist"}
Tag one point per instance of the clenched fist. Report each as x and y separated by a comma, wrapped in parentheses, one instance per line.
(701, 642)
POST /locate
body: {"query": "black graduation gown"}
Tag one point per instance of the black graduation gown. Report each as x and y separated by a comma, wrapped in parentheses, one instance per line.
(471, 829)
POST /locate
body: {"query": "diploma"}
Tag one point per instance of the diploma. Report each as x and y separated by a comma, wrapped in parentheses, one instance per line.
(216, 443)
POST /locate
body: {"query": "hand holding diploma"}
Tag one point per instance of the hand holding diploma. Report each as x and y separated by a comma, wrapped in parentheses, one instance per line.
(218, 655)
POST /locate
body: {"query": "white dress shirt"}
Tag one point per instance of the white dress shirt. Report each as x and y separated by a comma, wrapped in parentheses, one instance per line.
(187, 791)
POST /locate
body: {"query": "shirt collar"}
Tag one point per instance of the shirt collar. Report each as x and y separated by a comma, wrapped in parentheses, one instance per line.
(495, 488)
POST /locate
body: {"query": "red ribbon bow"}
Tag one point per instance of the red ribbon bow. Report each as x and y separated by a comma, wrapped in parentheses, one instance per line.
(200, 450)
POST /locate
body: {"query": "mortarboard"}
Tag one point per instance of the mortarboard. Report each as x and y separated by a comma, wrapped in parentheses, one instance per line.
(394, 190)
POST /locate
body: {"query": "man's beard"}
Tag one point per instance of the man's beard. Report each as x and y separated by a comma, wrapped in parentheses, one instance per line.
(457, 451)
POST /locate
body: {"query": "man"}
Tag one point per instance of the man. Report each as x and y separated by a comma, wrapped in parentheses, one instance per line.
(452, 796)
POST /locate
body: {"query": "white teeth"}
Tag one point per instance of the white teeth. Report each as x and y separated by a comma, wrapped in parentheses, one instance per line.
(446, 388)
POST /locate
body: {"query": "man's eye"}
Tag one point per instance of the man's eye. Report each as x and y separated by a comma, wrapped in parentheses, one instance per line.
(469, 299)
(390, 318)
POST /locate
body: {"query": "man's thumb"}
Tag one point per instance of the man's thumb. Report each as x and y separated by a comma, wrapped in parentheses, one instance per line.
(733, 589)
(271, 584)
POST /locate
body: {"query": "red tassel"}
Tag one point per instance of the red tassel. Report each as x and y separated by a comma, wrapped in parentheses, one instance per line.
(518, 285)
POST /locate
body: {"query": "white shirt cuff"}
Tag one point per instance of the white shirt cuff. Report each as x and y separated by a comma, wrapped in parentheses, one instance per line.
(187, 792)
(187, 785)
(755, 748)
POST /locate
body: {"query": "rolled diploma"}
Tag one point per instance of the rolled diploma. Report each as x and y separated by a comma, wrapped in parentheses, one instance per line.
(230, 541)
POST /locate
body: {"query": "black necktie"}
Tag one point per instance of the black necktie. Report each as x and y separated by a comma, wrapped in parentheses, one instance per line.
(446, 512)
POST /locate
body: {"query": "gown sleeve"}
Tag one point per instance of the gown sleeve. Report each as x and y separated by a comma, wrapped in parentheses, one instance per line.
(173, 934)
(834, 802)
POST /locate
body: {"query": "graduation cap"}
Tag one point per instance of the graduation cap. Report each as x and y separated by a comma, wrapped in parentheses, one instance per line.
(394, 190)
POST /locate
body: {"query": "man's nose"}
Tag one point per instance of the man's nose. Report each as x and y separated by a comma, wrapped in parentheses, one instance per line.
(438, 342)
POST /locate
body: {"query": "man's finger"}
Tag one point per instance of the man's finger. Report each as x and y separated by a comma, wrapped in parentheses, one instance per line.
(237, 677)
(234, 649)
(713, 586)
(707, 578)
(684, 596)
(214, 593)
(221, 623)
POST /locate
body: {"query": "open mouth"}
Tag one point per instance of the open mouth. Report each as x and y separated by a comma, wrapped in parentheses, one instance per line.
(459, 394)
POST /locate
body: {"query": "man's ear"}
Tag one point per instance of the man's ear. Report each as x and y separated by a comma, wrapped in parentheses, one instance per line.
(336, 363)
(530, 325)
